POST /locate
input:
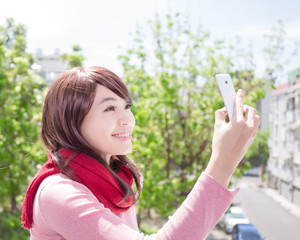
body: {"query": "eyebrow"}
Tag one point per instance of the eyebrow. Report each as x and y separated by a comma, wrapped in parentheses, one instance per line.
(107, 99)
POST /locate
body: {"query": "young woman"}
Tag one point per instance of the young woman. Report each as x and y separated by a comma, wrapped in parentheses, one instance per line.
(84, 191)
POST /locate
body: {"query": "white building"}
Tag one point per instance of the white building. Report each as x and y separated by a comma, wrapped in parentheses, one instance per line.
(284, 142)
(263, 107)
(49, 67)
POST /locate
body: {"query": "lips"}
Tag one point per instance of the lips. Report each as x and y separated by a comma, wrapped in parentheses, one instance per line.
(122, 135)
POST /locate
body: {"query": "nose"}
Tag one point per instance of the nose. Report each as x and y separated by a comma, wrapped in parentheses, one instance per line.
(126, 118)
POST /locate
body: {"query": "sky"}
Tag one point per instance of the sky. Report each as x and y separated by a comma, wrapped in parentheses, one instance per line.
(101, 27)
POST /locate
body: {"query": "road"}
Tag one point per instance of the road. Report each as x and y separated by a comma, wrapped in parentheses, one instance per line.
(272, 220)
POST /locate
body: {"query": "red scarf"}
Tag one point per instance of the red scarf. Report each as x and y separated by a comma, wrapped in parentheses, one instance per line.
(90, 173)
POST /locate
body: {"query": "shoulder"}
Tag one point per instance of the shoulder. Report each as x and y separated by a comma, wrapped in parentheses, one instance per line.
(59, 197)
(60, 183)
(63, 207)
(59, 190)
(61, 201)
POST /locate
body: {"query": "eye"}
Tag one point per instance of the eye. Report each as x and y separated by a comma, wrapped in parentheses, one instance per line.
(111, 108)
(128, 106)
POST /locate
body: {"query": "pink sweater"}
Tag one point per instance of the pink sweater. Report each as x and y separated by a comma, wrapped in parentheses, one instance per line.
(65, 209)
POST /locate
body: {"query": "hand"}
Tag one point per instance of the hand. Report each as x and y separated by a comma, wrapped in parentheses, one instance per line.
(231, 140)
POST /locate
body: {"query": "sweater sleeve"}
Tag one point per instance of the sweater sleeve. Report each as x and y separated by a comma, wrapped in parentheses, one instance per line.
(200, 211)
(72, 211)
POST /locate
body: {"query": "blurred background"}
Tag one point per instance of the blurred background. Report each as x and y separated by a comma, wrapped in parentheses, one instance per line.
(167, 52)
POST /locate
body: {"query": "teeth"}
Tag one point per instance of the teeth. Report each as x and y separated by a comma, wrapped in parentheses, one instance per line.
(122, 135)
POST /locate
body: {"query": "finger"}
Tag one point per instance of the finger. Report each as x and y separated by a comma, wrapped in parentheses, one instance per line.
(239, 104)
(257, 121)
(220, 114)
(245, 112)
(256, 124)
(251, 116)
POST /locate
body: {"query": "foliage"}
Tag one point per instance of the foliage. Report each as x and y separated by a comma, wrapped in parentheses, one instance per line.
(274, 52)
(258, 153)
(170, 74)
(75, 58)
(21, 97)
(147, 230)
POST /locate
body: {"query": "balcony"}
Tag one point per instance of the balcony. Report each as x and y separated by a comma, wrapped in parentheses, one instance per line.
(290, 117)
(295, 127)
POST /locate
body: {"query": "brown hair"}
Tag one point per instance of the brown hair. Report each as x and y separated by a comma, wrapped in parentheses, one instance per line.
(68, 101)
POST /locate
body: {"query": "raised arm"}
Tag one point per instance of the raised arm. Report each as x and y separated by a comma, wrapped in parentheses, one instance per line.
(231, 140)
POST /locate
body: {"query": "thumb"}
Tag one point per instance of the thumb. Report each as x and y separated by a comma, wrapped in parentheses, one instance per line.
(220, 114)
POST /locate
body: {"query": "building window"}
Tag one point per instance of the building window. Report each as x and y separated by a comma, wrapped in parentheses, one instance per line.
(290, 136)
(291, 104)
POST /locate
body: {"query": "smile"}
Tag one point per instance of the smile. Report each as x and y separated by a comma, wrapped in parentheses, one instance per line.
(123, 136)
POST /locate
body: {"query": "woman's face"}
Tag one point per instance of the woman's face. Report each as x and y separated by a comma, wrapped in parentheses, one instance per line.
(108, 125)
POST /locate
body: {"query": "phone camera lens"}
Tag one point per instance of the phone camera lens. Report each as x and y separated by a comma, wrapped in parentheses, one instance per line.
(226, 82)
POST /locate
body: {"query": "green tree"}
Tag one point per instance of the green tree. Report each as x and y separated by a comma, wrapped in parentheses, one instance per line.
(170, 74)
(21, 97)
(258, 152)
(75, 58)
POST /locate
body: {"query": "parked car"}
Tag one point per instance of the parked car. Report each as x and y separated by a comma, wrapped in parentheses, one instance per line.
(232, 217)
(253, 172)
(245, 232)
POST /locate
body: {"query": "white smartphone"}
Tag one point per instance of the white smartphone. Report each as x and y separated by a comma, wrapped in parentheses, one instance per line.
(227, 91)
